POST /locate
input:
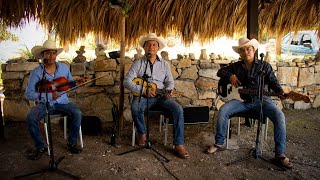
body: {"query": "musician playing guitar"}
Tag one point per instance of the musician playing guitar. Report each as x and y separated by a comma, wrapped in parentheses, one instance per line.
(158, 71)
(58, 101)
(246, 73)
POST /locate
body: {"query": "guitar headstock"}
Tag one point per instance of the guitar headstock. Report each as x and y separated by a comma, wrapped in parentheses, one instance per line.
(298, 97)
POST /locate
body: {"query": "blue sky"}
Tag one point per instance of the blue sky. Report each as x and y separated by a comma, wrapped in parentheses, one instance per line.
(30, 35)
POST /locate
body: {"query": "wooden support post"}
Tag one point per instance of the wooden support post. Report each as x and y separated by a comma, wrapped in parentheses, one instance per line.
(252, 19)
(122, 60)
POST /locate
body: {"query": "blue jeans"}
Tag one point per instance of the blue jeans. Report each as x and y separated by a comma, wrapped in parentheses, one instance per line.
(175, 109)
(269, 109)
(38, 113)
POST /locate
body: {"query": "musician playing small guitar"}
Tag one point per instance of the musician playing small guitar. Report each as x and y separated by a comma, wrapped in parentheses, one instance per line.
(159, 77)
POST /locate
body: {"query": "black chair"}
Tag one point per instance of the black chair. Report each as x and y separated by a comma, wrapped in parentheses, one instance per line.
(163, 114)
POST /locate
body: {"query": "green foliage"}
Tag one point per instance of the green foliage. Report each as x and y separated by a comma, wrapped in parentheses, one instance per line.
(6, 35)
(26, 53)
(125, 8)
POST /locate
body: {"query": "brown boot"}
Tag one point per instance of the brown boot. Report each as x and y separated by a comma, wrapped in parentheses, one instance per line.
(181, 151)
(142, 139)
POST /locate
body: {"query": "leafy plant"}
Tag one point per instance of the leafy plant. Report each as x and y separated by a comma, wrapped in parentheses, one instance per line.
(6, 35)
(26, 53)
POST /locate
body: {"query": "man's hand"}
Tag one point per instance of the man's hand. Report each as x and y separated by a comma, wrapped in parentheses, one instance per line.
(81, 80)
(169, 93)
(151, 92)
(55, 95)
(234, 80)
(283, 95)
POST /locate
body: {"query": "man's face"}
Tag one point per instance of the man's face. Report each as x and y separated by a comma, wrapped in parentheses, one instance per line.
(50, 55)
(246, 53)
(151, 47)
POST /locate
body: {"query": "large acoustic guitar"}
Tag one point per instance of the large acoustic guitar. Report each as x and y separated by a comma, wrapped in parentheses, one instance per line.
(153, 87)
(229, 92)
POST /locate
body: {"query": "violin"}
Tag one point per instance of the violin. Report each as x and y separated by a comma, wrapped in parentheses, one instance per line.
(61, 84)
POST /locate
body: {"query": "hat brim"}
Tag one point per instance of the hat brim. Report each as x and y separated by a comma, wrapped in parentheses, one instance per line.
(160, 40)
(253, 42)
(36, 51)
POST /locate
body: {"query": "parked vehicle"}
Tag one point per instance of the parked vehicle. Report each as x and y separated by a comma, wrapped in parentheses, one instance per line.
(302, 42)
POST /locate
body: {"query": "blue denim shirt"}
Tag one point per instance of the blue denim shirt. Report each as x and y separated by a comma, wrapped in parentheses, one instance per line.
(36, 75)
(160, 75)
(249, 78)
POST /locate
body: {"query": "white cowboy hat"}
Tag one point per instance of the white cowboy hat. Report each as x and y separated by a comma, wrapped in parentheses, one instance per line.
(246, 42)
(47, 45)
(153, 36)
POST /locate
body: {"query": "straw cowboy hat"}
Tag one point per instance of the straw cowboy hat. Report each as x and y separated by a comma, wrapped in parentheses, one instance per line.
(47, 45)
(153, 36)
(246, 42)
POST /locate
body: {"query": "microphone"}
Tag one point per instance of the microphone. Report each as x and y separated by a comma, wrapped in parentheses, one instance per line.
(45, 60)
(148, 56)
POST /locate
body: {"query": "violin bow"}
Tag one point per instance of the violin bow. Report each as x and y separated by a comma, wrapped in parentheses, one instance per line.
(82, 84)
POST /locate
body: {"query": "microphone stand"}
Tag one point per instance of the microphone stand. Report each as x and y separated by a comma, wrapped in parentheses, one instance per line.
(53, 165)
(147, 145)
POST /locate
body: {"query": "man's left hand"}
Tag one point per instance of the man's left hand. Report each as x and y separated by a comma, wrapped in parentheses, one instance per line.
(283, 95)
(169, 93)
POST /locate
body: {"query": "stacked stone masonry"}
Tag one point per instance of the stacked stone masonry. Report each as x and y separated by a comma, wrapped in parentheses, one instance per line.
(196, 79)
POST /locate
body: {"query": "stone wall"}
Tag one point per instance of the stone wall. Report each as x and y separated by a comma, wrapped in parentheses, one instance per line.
(196, 79)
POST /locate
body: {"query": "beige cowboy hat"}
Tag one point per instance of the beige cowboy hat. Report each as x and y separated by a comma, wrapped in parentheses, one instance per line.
(47, 45)
(153, 36)
(242, 42)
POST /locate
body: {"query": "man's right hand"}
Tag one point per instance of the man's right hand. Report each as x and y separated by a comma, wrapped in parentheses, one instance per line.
(234, 80)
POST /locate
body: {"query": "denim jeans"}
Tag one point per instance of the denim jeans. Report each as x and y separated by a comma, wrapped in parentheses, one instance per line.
(269, 109)
(175, 109)
(38, 113)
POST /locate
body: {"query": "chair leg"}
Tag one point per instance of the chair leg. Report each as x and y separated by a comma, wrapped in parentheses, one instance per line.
(133, 134)
(266, 130)
(239, 121)
(47, 138)
(228, 131)
(80, 136)
(65, 127)
(161, 122)
(166, 131)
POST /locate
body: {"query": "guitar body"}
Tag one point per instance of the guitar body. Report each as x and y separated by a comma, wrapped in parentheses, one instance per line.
(228, 92)
(138, 81)
(153, 87)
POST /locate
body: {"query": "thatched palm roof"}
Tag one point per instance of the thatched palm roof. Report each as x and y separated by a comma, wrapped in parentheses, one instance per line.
(190, 19)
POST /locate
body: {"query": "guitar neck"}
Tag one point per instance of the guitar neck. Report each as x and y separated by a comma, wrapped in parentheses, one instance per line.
(256, 92)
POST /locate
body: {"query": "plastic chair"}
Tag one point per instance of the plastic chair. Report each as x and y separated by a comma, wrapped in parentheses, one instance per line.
(53, 116)
(250, 116)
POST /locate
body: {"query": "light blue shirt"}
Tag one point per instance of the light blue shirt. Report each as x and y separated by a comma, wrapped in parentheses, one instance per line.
(161, 74)
(35, 77)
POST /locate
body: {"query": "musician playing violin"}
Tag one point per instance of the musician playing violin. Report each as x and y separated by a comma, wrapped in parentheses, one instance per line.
(58, 101)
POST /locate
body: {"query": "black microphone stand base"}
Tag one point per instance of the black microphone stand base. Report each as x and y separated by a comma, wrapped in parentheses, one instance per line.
(146, 146)
(53, 167)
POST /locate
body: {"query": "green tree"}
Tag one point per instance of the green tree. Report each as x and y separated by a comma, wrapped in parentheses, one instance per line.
(6, 35)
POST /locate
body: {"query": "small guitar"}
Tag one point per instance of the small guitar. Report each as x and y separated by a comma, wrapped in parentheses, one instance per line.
(153, 87)
(229, 92)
